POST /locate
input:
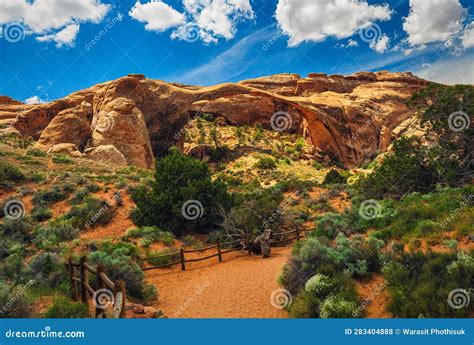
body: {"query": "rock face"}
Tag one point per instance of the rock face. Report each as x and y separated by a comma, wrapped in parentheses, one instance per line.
(133, 119)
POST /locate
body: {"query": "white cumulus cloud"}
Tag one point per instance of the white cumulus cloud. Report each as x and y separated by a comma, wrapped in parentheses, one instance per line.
(380, 45)
(65, 37)
(433, 20)
(352, 43)
(157, 15)
(454, 71)
(315, 20)
(467, 38)
(207, 20)
(34, 100)
(54, 20)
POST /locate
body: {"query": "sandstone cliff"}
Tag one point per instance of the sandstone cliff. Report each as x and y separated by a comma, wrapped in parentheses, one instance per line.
(133, 119)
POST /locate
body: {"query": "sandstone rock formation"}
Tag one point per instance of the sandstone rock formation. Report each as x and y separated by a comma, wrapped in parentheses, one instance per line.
(133, 119)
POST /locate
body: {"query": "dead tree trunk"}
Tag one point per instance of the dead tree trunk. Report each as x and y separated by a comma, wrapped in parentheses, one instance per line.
(261, 244)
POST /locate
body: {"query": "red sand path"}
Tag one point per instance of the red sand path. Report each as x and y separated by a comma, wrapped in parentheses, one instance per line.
(239, 287)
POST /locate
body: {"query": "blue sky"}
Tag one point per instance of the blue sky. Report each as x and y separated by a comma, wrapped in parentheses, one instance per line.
(64, 46)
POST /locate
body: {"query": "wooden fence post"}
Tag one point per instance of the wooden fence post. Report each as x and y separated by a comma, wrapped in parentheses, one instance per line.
(183, 262)
(100, 285)
(72, 275)
(84, 280)
(120, 287)
(219, 251)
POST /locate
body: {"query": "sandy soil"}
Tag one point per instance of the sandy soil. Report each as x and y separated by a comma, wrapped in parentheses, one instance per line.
(240, 287)
(120, 224)
(374, 296)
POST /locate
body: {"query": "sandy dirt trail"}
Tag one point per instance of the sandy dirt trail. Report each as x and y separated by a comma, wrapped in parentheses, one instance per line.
(239, 287)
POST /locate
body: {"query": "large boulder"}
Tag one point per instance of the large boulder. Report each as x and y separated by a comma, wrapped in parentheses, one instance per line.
(65, 148)
(69, 126)
(106, 154)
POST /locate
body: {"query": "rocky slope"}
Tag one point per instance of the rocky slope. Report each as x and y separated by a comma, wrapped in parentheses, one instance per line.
(133, 119)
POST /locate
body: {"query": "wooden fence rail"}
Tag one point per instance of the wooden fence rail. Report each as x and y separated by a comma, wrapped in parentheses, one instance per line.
(82, 290)
(220, 250)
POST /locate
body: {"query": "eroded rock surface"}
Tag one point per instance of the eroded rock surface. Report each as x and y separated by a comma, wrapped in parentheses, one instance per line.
(133, 119)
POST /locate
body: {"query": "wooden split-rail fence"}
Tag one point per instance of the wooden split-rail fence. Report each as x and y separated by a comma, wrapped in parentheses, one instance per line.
(106, 290)
(179, 257)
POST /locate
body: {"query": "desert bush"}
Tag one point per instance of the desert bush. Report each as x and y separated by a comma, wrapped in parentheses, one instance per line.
(320, 285)
(13, 269)
(119, 260)
(294, 184)
(17, 229)
(65, 308)
(304, 305)
(55, 194)
(317, 165)
(41, 213)
(152, 234)
(47, 269)
(266, 163)
(217, 236)
(334, 177)
(452, 156)
(36, 152)
(401, 172)
(10, 173)
(338, 306)
(50, 235)
(253, 213)
(331, 224)
(420, 284)
(61, 159)
(167, 202)
(191, 241)
(90, 213)
(13, 301)
(219, 153)
(357, 257)
(423, 215)
(83, 194)
(37, 177)
(208, 117)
